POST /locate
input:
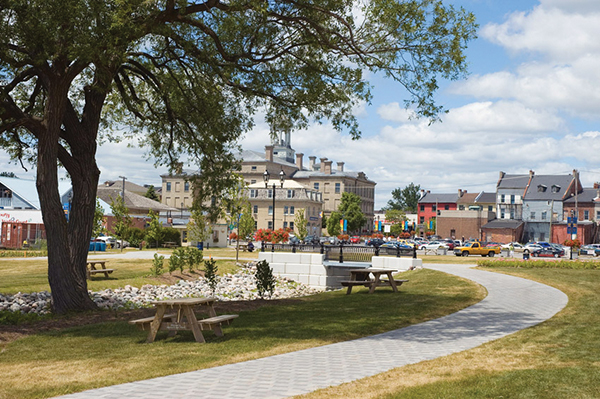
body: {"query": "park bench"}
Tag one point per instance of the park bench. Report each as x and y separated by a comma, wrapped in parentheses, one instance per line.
(169, 244)
(91, 268)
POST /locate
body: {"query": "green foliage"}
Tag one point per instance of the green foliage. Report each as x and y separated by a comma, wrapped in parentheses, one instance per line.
(397, 217)
(158, 265)
(193, 257)
(265, 281)
(8, 174)
(154, 231)
(121, 214)
(210, 273)
(13, 318)
(151, 193)
(177, 260)
(97, 227)
(333, 224)
(246, 224)
(300, 224)
(351, 211)
(198, 228)
(171, 234)
(135, 236)
(541, 263)
(406, 199)
(22, 254)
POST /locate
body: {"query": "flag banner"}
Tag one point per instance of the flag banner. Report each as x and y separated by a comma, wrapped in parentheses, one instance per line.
(345, 225)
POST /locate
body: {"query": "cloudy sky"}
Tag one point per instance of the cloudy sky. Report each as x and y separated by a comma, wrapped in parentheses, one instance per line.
(531, 102)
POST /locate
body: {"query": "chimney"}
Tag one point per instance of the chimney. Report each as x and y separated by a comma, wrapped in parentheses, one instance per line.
(531, 173)
(322, 162)
(422, 193)
(596, 185)
(460, 193)
(327, 167)
(311, 162)
(340, 166)
(502, 174)
(269, 153)
(299, 157)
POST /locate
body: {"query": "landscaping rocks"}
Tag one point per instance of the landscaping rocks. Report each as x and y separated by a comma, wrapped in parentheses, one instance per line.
(230, 287)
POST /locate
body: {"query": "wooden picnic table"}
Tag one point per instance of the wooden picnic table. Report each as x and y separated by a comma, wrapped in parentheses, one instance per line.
(91, 268)
(169, 244)
(362, 277)
(183, 318)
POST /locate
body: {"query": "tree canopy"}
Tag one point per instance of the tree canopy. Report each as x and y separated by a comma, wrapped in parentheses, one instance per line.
(187, 77)
(405, 199)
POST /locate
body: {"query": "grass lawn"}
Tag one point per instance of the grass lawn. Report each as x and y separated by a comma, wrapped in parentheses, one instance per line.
(556, 359)
(32, 275)
(94, 355)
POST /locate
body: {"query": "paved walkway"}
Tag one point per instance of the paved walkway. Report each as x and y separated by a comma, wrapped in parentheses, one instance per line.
(512, 304)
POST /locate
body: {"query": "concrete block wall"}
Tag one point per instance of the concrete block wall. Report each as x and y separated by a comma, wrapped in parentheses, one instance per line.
(401, 264)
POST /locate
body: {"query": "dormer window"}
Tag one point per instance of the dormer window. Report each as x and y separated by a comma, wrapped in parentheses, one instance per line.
(555, 188)
(542, 188)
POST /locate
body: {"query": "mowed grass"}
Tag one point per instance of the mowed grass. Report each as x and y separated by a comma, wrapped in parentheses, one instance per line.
(559, 358)
(89, 356)
(32, 275)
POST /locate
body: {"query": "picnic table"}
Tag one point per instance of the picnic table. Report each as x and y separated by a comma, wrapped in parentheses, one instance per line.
(183, 318)
(169, 244)
(91, 268)
(362, 277)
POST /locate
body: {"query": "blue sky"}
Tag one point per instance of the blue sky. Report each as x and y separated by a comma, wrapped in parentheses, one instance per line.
(530, 102)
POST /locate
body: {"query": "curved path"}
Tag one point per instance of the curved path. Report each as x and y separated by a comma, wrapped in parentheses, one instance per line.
(512, 304)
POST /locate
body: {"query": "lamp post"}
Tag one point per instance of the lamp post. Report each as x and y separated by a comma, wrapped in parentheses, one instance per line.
(266, 177)
(123, 197)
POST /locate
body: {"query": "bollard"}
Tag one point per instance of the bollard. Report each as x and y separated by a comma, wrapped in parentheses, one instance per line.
(341, 252)
(293, 247)
(397, 251)
(415, 251)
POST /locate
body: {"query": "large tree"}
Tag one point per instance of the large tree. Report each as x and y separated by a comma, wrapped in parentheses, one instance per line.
(350, 210)
(405, 199)
(186, 77)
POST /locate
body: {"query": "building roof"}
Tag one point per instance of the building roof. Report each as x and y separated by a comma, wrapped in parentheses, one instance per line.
(254, 156)
(503, 224)
(286, 184)
(588, 195)
(306, 174)
(467, 198)
(432, 198)
(513, 181)
(133, 201)
(486, 198)
(129, 186)
(27, 190)
(549, 183)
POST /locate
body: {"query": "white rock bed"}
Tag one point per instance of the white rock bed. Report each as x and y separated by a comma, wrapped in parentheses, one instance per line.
(230, 287)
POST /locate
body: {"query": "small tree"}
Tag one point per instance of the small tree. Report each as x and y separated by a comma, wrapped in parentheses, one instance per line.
(177, 260)
(198, 228)
(300, 224)
(154, 231)
(98, 227)
(122, 219)
(246, 224)
(333, 224)
(265, 282)
(157, 265)
(210, 273)
(193, 258)
(151, 193)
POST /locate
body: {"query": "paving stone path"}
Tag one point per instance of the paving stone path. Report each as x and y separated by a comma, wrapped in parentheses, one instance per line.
(512, 304)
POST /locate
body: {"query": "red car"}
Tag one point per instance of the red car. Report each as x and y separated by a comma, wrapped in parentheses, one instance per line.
(354, 240)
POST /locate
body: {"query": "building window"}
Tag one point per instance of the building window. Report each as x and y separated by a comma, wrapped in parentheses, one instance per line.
(270, 225)
(252, 181)
(532, 217)
(270, 209)
(461, 207)
(292, 225)
(422, 209)
(422, 219)
(597, 215)
(337, 188)
(253, 193)
(447, 207)
(285, 210)
(270, 193)
(291, 210)
(186, 186)
(255, 208)
(586, 215)
(168, 186)
(512, 199)
(502, 197)
(434, 208)
(291, 193)
(501, 213)
(544, 214)
(184, 236)
(253, 167)
(512, 213)
(255, 225)
(285, 225)
(316, 186)
(490, 208)
(542, 236)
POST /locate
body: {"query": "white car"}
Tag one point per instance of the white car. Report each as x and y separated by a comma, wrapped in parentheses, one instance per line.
(530, 247)
(517, 247)
(434, 245)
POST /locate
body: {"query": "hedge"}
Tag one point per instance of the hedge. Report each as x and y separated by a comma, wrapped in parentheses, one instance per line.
(541, 263)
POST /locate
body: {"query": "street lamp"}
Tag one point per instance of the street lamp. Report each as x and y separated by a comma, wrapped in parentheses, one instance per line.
(266, 177)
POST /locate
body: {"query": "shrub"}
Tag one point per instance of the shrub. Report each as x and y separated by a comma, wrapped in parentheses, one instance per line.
(193, 257)
(280, 235)
(157, 265)
(170, 234)
(210, 273)
(135, 236)
(573, 243)
(265, 282)
(263, 235)
(233, 236)
(541, 263)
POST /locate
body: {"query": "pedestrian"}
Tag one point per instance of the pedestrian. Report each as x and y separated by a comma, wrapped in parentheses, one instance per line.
(511, 250)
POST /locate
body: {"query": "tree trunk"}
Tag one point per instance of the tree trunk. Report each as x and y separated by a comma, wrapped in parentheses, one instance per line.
(68, 242)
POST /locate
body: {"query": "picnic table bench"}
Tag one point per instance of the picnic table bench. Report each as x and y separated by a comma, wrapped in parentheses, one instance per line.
(361, 277)
(184, 318)
(91, 268)
(170, 244)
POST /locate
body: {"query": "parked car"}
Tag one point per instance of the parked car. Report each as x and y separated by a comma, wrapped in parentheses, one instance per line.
(310, 239)
(516, 246)
(590, 249)
(375, 242)
(548, 252)
(112, 241)
(434, 245)
(396, 244)
(355, 240)
(493, 244)
(294, 240)
(449, 242)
